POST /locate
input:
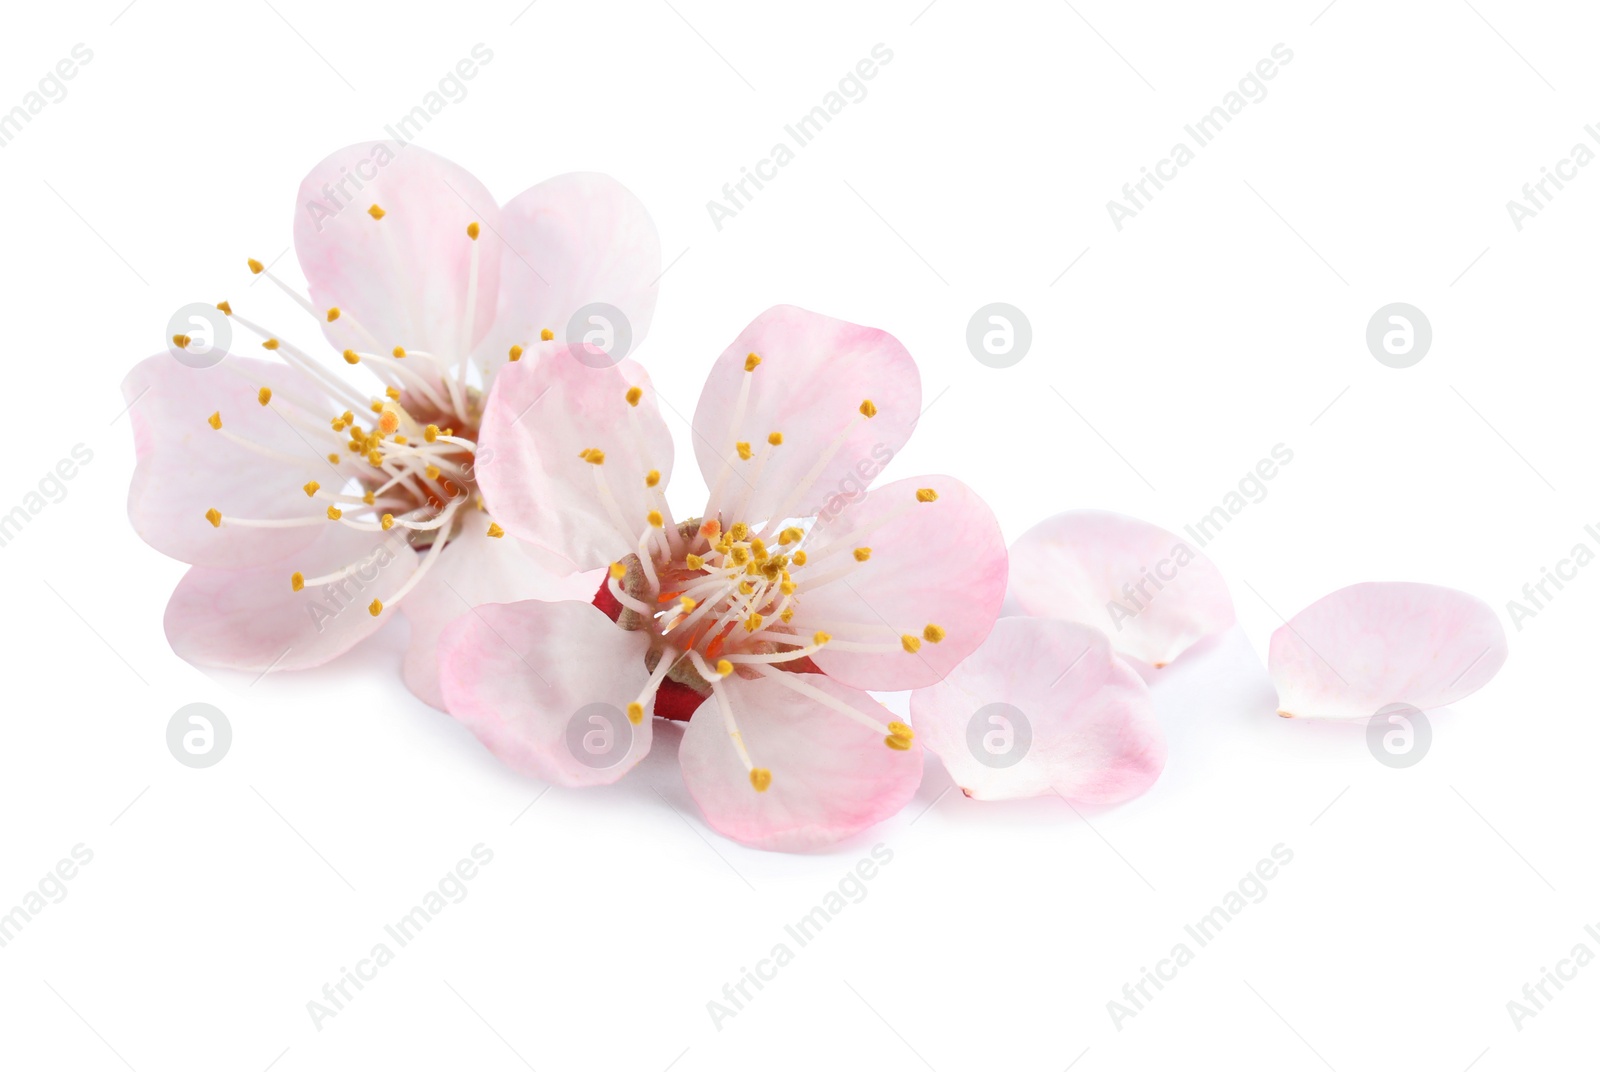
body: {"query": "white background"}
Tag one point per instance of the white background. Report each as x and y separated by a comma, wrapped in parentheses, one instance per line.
(1227, 317)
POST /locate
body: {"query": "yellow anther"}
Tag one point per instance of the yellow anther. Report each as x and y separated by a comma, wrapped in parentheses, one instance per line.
(495, 530)
(694, 562)
(710, 528)
(752, 623)
(760, 778)
(932, 633)
(348, 417)
(911, 644)
(376, 407)
(633, 395)
(787, 614)
(256, 267)
(820, 638)
(351, 357)
(868, 409)
(369, 498)
(400, 439)
(788, 588)
(746, 588)
(393, 393)
(334, 513)
(227, 310)
(516, 353)
(724, 667)
(687, 604)
(386, 522)
(863, 553)
(652, 478)
(472, 230)
(899, 744)
(333, 314)
(334, 458)
(375, 608)
(388, 421)
(311, 488)
(900, 729)
(775, 438)
(297, 581)
(655, 519)
(593, 455)
(618, 571)
(431, 432)
(181, 341)
(546, 334)
(740, 554)
(338, 424)
(431, 472)
(799, 558)
(264, 395)
(750, 362)
(758, 548)
(740, 531)
(926, 495)
(375, 457)
(398, 351)
(790, 535)
(214, 516)
(375, 212)
(270, 344)
(215, 420)
(636, 712)
(744, 451)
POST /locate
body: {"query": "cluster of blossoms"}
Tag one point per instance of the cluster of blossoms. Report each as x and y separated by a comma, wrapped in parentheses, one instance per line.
(505, 489)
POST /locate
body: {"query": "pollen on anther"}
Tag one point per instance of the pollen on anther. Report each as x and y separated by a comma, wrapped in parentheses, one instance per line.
(388, 421)
(516, 353)
(472, 230)
(911, 644)
(393, 393)
(546, 334)
(899, 744)
(334, 513)
(633, 395)
(270, 344)
(687, 604)
(350, 356)
(750, 362)
(618, 571)
(593, 455)
(655, 519)
(264, 395)
(495, 530)
(799, 558)
(214, 516)
(724, 667)
(820, 638)
(225, 308)
(181, 341)
(375, 608)
(376, 212)
(868, 409)
(431, 433)
(694, 562)
(256, 267)
(652, 478)
(386, 522)
(760, 779)
(215, 420)
(863, 553)
(636, 712)
(901, 730)
(311, 488)
(297, 581)
(431, 472)
(927, 495)
(398, 351)
(776, 439)
(333, 314)
(932, 633)
(744, 451)
(752, 623)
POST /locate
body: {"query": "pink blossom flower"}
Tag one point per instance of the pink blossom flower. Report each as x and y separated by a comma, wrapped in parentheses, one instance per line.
(763, 619)
(312, 497)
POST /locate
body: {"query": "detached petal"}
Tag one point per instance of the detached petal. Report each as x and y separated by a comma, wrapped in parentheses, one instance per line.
(1152, 593)
(814, 375)
(573, 241)
(252, 619)
(405, 277)
(831, 776)
(546, 687)
(1043, 706)
(544, 416)
(938, 565)
(476, 568)
(187, 468)
(1361, 648)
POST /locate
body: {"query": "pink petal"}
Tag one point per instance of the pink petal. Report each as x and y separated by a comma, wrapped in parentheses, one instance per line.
(403, 278)
(1148, 590)
(186, 468)
(815, 372)
(252, 619)
(940, 563)
(570, 242)
(546, 686)
(831, 777)
(1364, 647)
(543, 413)
(1043, 706)
(476, 568)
